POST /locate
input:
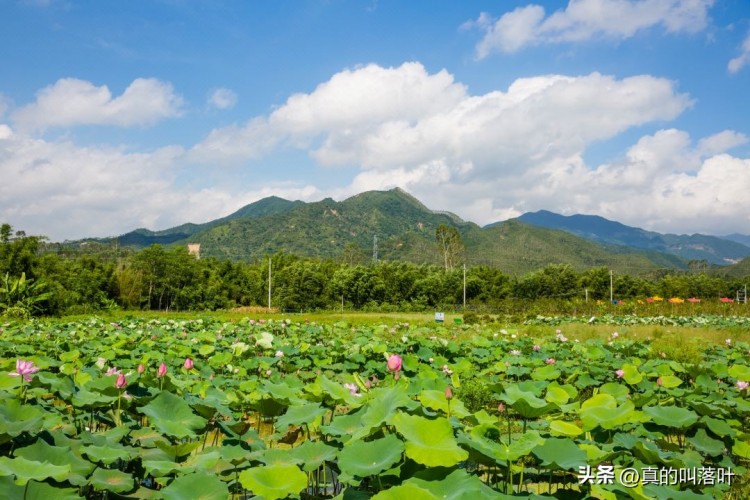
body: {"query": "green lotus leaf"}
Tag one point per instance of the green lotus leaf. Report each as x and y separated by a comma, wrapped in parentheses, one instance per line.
(561, 428)
(196, 486)
(632, 376)
(560, 453)
(408, 490)
(429, 442)
(58, 455)
(370, 458)
(602, 410)
(556, 394)
(87, 399)
(546, 372)
(671, 416)
(178, 450)
(706, 444)
(740, 372)
(112, 480)
(34, 490)
(618, 391)
(172, 416)
(741, 449)
(264, 340)
(16, 418)
(309, 414)
(343, 425)
(274, 481)
(312, 454)
(147, 437)
(381, 409)
(457, 485)
(435, 400)
(26, 470)
(670, 381)
(526, 403)
(273, 456)
(108, 453)
(719, 427)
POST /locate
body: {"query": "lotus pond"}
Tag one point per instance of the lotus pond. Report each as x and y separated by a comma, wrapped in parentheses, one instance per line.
(207, 408)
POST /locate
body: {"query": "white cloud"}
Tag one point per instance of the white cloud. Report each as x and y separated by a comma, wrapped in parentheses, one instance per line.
(741, 60)
(222, 98)
(586, 19)
(391, 118)
(70, 102)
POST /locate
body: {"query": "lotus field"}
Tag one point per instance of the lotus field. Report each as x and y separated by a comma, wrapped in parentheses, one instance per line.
(251, 408)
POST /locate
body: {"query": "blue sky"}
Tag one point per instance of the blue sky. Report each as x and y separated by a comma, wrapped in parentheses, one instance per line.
(117, 115)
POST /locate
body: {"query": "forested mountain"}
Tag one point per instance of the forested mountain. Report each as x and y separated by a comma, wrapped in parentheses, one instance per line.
(405, 230)
(721, 251)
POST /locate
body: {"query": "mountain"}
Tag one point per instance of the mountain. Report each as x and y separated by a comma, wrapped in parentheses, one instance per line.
(719, 251)
(738, 238)
(261, 208)
(405, 230)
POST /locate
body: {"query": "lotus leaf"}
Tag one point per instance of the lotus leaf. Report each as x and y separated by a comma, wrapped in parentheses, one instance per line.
(173, 416)
(370, 458)
(561, 428)
(58, 455)
(671, 416)
(197, 486)
(26, 470)
(429, 442)
(560, 454)
(274, 481)
(112, 480)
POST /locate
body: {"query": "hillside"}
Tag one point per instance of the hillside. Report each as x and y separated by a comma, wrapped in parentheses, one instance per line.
(712, 249)
(405, 230)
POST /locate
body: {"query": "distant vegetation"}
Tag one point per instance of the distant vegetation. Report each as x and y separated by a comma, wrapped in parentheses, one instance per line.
(53, 279)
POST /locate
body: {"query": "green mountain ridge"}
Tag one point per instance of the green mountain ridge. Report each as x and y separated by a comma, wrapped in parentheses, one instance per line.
(405, 230)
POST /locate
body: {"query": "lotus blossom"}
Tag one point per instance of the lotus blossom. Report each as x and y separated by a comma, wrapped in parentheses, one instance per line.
(500, 408)
(24, 369)
(447, 370)
(550, 361)
(742, 385)
(620, 373)
(615, 335)
(269, 372)
(728, 341)
(112, 371)
(279, 354)
(141, 368)
(188, 364)
(659, 382)
(353, 389)
(394, 363)
(537, 347)
(161, 371)
(121, 382)
(448, 393)
(515, 352)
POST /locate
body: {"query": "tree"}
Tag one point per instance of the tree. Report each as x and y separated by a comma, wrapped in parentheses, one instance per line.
(449, 244)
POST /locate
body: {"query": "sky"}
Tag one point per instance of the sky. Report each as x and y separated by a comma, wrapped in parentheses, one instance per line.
(120, 115)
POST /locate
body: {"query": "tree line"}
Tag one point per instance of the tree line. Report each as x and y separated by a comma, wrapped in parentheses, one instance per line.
(53, 279)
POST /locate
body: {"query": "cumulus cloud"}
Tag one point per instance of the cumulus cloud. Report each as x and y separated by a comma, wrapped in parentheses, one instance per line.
(222, 99)
(388, 118)
(586, 19)
(741, 60)
(71, 101)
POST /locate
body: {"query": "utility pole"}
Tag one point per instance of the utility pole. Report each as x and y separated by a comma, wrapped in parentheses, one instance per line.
(269, 284)
(464, 286)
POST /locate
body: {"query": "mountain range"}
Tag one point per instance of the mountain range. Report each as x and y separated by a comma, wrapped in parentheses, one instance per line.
(396, 226)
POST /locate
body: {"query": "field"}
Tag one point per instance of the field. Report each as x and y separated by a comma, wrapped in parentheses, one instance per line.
(246, 404)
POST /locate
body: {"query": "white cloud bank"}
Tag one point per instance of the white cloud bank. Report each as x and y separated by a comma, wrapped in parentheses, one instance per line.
(587, 19)
(485, 157)
(71, 101)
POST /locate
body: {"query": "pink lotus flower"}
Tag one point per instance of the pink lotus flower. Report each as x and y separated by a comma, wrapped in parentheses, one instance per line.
(659, 381)
(121, 382)
(353, 389)
(269, 372)
(501, 408)
(550, 361)
(161, 371)
(112, 371)
(188, 364)
(394, 363)
(24, 369)
(141, 368)
(742, 385)
(620, 373)
(448, 393)
(537, 347)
